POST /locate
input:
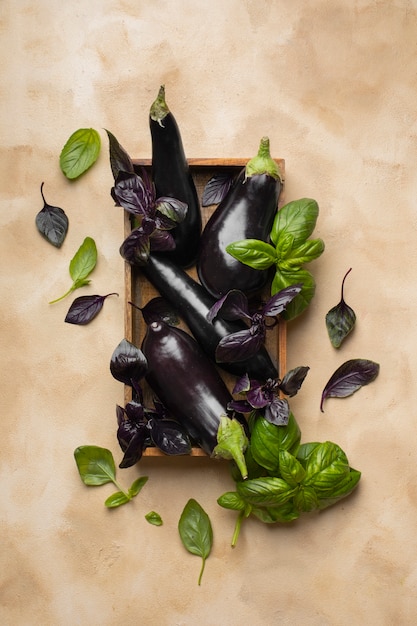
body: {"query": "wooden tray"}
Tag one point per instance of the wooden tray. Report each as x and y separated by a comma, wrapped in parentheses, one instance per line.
(140, 291)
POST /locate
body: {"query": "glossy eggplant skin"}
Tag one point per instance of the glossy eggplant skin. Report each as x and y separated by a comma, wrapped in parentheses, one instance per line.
(247, 212)
(172, 177)
(193, 303)
(186, 382)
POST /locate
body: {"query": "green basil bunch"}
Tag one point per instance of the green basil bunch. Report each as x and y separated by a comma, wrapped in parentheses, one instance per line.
(287, 478)
(290, 250)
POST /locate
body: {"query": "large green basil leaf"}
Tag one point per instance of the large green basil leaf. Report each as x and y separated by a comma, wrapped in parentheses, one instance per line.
(253, 252)
(305, 499)
(297, 218)
(265, 491)
(80, 152)
(342, 489)
(326, 467)
(272, 514)
(305, 450)
(306, 252)
(290, 468)
(267, 440)
(323, 456)
(196, 532)
(95, 465)
(302, 300)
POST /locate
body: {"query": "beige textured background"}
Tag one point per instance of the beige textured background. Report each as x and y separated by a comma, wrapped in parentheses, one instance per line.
(333, 84)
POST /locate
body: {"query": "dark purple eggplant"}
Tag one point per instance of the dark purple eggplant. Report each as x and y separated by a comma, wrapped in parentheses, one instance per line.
(172, 177)
(193, 303)
(246, 212)
(186, 382)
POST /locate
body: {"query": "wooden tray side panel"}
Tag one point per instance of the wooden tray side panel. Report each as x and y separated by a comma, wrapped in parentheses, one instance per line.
(139, 291)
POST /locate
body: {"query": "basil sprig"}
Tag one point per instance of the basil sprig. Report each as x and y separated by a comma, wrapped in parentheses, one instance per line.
(290, 250)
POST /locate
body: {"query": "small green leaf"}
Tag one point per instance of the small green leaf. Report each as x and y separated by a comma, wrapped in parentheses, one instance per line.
(253, 252)
(305, 499)
(80, 152)
(95, 465)
(116, 499)
(196, 532)
(290, 468)
(137, 485)
(231, 500)
(81, 266)
(154, 518)
(267, 440)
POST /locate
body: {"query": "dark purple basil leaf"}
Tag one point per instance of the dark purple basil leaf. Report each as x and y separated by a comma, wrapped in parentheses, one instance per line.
(259, 395)
(136, 247)
(216, 189)
(134, 450)
(242, 384)
(135, 412)
(348, 378)
(278, 412)
(239, 346)
(169, 437)
(232, 306)
(120, 414)
(52, 223)
(161, 241)
(171, 208)
(293, 380)
(86, 308)
(340, 320)
(120, 161)
(128, 363)
(159, 309)
(279, 301)
(131, 193)
(240, 406)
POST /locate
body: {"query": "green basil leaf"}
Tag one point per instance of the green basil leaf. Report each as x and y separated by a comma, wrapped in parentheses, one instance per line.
(231, 500)
(290, 468)
(304, 452)
(84, 261)
(306, 252)
(154, 518)
(95, 465)
(196, 532)
(265, 491)
(306, 499)
(342, 489)
(253, 252)
(116, 499)
(297, 218)
(267, 440)
(80, 152)
(302, 300)
(137, 485)
(323, 456)
(272, 514)
(326, 467)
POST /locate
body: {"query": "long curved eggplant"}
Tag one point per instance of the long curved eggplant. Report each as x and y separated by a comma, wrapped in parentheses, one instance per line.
(172, 177)
(186, 382)
(193, 303)
(246, 212)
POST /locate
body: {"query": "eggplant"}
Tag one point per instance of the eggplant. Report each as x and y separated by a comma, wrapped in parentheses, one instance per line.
(172, 177)
(186, 382)
(246, 212)
(193, 303)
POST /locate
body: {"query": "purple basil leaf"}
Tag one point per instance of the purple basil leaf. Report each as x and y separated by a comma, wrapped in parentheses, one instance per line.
(128, 363)
(169, 437)
(216, 189)
(340, 320)
(52, 223)
(242, 384)
(161, 241)
(278, 412)
(136, 247)
(293, 380)
(240, 406)
(134, 450)
(131, 193)
(239, 346)
(279, 301)
(159, 309)
(171, 208)
(120, 161)
(348, 378)
(232, 306)
(258, 395)
(135, 412)
(86, 308)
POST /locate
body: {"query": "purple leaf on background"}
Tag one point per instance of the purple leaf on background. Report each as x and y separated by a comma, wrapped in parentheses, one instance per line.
(293, 380)
(120, 161)
(52, 223)
(348, 378)
(216, 189)
(340, 320)
(86, 308)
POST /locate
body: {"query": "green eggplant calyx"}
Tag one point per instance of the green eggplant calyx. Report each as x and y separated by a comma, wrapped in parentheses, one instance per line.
(232, 443)
(159, 108)
(263, 163)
